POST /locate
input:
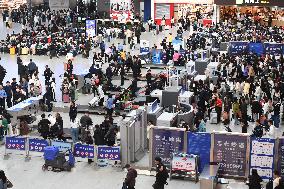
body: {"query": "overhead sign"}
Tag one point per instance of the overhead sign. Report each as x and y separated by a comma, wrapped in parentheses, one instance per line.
(15, 143)
(84, 151)
(37, 145)
(253, 2)
(185, 1)
(230, 151)
(262, 156)
(108, 152)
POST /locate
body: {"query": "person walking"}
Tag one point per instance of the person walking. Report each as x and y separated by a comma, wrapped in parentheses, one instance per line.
(162, 174)
(72, 111)
(130, 179)
(75, 124)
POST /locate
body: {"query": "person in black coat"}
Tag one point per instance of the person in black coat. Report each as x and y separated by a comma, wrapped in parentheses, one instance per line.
(2, 73)
(48, 98)
(110, 136)
(72, 111)
(22, 70)
(8, 90)
(43, 127)
(254, 180)
(98, 136)
(59, 123)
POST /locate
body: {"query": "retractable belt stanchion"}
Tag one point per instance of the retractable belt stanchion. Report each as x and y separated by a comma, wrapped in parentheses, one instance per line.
(36, 145)
(15, 143)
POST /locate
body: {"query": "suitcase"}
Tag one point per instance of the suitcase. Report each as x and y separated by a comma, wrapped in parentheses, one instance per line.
(25, 51)
(12, 51)
(94, 102)
(213, 117)
(66, 98)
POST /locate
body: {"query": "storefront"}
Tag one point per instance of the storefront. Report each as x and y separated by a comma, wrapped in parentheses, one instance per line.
(180, 8)
(232, 10)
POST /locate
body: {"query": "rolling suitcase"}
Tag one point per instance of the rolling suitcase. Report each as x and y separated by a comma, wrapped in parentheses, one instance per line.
(66, 98)
(12, 51)
(213, 117)
(25, 51)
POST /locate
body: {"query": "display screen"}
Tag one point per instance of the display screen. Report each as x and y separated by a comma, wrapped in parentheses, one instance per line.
(91, 28)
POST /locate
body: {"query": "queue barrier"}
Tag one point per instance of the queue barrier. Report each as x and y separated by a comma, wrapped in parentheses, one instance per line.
(37, 145)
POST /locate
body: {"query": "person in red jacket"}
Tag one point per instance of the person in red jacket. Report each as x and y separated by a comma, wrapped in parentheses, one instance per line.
(218, 108)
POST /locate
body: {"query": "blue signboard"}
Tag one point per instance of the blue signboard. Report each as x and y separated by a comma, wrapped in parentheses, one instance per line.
(165, 143)
(230, 151)
(176, 44)
(108, 152)
(238, 47)
(262, 152)
(91, 28)
(280, 163)
(199, 144)
(156, 57)
(37, 145)
(144, 50)
(273, 48)
(63, 146)
(15, 143)
(84, 151)
(256, 48)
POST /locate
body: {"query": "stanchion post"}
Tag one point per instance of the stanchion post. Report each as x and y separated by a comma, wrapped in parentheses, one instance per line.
(28, 157)
(6, 156)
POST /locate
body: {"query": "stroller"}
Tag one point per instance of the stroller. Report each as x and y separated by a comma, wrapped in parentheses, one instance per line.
(55, 160)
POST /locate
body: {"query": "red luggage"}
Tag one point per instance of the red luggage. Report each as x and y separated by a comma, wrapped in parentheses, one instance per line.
(66, 98)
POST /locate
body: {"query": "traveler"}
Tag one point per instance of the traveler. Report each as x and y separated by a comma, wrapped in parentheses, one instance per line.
(254, 180)
(130, 179)
(162, 174)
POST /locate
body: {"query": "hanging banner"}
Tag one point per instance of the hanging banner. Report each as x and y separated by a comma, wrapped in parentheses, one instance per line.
(37, 145)
(237, 47)
(273, 48)
(15, 143)
(165, 142)
(84, 151)
(280, 163)
(183, 163)
(230, 151)
(144, 46)
(262, 156)
(108, 152)
(120, 10)
(256, 48)
(199, 144)
(63, 146)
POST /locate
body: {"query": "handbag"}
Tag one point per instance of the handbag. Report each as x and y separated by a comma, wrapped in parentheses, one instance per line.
(9, 184)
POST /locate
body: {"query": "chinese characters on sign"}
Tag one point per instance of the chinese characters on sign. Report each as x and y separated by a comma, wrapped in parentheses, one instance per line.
(13, 143)
(84, 151)
(262, 156)
(63, 146)
(183, 163)
(238, 47)
(107, 152)
(165, 143)
(230, 152)
(37, 145)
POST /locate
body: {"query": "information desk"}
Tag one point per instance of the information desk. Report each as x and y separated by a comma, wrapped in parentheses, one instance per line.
(209, 177)
(185, 97)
